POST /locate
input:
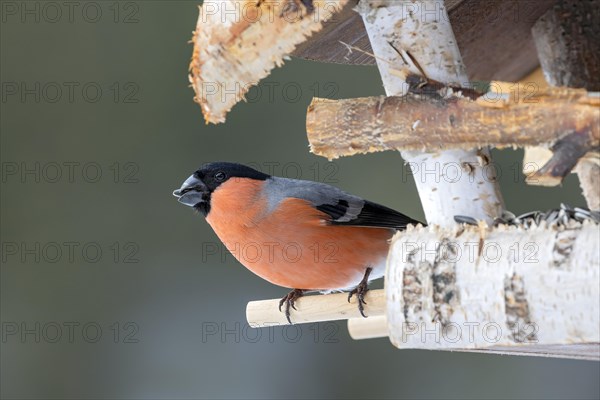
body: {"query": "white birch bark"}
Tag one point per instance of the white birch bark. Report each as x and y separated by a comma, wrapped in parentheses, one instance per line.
(468, 288)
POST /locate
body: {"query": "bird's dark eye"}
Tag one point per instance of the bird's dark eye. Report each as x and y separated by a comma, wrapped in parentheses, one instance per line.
(220, 176)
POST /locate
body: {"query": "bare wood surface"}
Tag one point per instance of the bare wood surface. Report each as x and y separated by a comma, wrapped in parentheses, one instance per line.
(493, 36)
(315, 308)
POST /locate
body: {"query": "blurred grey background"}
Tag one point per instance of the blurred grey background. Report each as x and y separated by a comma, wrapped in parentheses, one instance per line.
(111, 289)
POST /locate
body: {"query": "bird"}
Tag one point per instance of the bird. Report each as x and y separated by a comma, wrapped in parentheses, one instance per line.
(302, 235)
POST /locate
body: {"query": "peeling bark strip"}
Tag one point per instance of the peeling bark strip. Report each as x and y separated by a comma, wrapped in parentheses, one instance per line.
(511, 294)
(517, 310)
(238, 42)
(346, 127)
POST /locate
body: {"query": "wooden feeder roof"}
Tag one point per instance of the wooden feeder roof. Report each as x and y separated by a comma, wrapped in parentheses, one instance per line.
(494, 37)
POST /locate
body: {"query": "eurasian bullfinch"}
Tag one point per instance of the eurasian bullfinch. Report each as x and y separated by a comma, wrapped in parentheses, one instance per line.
(303, 235)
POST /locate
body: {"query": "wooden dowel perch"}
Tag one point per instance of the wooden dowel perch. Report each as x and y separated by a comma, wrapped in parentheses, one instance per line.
(368, 328)
(315, 308)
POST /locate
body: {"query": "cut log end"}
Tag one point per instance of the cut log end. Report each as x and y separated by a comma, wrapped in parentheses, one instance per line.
(236, 44)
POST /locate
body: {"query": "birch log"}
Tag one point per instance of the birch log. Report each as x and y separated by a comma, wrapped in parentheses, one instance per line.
(238, 42)
(567, 40)
(470, 288)
(417, 35)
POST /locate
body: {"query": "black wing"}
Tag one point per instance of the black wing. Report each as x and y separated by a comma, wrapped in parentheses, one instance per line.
(371, 215)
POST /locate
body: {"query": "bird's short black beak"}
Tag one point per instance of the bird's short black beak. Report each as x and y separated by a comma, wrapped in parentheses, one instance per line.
(192, 192)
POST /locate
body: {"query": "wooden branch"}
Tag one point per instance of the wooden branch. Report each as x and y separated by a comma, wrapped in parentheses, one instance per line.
(414, 122)
(567, 152)
(238, 42)
(568, 46)
(417, 36)
(314, 308)
(470, 288)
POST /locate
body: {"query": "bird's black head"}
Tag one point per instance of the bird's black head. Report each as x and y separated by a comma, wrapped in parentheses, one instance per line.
(197, 189)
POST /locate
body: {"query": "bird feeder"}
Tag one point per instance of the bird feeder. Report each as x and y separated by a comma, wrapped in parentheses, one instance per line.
(476, 278)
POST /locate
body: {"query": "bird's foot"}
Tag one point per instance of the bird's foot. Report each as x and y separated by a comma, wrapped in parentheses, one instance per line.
(360, 292)
(289, 300)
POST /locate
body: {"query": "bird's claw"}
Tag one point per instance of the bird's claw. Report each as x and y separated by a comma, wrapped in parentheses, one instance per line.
(290, 300)
(360, 295)
(360, 292)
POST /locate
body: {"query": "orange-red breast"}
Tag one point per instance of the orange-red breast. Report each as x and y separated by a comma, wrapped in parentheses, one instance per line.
(298, 234)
